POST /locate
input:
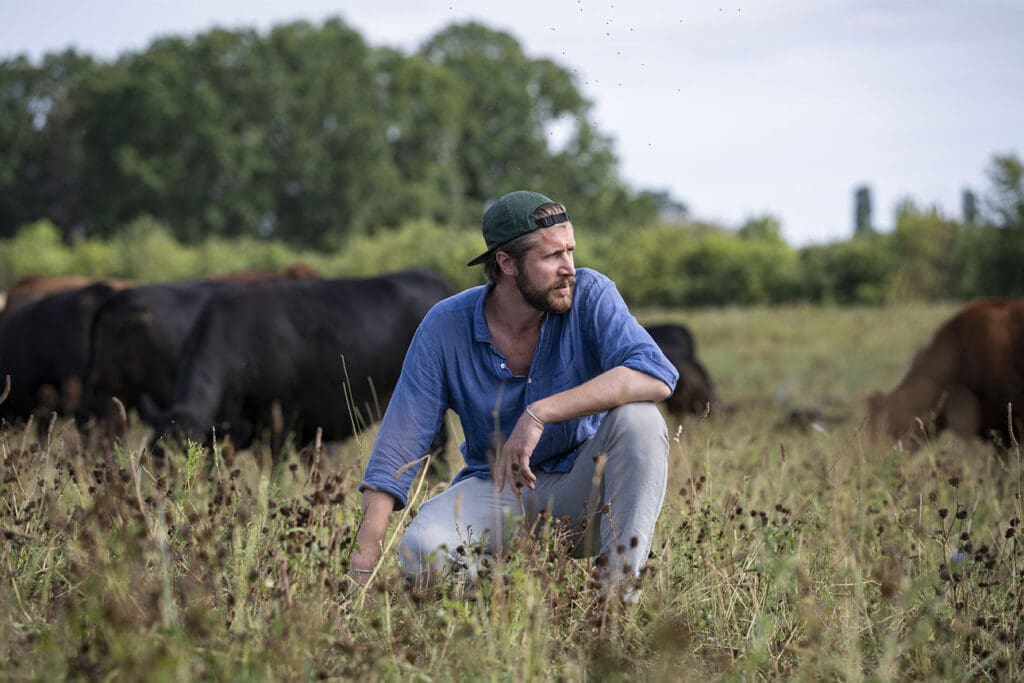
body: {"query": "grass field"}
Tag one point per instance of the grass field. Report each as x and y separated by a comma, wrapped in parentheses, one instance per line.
(785, 549)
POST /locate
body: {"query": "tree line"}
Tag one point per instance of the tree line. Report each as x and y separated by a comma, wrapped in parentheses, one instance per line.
(305, 134)
(236, 149)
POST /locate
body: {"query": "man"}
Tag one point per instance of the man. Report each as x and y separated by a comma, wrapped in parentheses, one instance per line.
(554, 382)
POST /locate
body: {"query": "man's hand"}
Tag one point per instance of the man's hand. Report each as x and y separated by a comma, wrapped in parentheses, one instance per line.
(513, 462)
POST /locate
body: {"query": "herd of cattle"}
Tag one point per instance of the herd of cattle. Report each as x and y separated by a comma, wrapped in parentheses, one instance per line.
(244, 355)
(258, 353)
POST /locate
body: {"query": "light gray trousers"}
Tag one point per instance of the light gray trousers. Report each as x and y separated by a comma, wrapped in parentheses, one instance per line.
(612, 503)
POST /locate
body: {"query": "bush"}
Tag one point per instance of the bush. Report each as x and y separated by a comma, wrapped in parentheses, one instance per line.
(853, 272)
(419, 244)
(669, 265)
(35, 249)
(146, 251)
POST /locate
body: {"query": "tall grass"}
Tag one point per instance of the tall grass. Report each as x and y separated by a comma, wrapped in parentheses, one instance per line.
(789, 547)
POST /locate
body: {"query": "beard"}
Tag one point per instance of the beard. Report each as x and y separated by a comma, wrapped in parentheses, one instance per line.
(545, 299)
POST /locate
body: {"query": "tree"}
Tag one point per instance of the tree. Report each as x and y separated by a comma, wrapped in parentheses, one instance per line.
(304, 133)
(1001, 273)
(40, 136)
(1007, 199)
(969, 207)
(862, 211)
(923, 242)
(509, 104)
(762, 228)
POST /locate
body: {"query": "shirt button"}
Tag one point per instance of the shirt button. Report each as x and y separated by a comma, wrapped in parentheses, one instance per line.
(502, 366)
(529, 380)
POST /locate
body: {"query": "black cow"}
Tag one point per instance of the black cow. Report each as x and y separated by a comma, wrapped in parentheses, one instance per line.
(136, 343)
(44, 347)
(138, 335)
(320, 353)
(694, 391)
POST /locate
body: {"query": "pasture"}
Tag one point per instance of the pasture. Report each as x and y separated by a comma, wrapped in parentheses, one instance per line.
(790, 546)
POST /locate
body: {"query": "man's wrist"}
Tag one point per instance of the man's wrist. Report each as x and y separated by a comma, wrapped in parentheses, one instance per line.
(535, 418)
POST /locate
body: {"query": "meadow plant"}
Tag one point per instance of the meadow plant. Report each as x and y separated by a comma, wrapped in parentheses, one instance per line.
(785, 550)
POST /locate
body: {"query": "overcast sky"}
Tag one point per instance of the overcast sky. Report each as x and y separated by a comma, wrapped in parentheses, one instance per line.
(736, 108)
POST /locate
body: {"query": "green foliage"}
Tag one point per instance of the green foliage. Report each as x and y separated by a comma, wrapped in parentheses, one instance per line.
(1001, 273)
(35, 249)
(235, 149)
(421, 244)
(1006, 200)
(923, 243)
(670, 265)
(855, 271)
(146, 251)
(305, 134)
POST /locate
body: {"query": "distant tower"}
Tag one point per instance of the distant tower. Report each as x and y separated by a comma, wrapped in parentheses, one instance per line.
(862, 211)
(969, 207)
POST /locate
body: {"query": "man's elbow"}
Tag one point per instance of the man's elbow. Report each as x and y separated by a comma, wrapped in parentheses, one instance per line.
(662, 390)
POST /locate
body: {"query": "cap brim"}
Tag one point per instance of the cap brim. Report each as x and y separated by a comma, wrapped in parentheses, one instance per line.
(479, 259)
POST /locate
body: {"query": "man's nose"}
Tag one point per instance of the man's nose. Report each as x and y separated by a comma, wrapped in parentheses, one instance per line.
(567, 266)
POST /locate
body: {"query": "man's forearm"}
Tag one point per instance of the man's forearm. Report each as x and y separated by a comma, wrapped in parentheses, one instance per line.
(608, 390)
(377, 508)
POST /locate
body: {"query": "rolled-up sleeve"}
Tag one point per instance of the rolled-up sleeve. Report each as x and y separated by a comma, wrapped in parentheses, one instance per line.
(620, 340)
(412, 419)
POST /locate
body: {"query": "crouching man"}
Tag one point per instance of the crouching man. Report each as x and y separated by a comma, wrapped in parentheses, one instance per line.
(555, 384)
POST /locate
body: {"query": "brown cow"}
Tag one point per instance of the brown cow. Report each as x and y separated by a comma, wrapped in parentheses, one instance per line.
(293, 271)
(34, 287)
(964, 378)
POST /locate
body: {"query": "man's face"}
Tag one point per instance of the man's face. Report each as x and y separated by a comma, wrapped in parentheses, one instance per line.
(547, 275)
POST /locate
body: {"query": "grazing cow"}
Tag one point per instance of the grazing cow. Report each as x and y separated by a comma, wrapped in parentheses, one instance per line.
(964, 378)
(694, 390)
(138, 334)
(34, 287)
(321, 353)
(44, 348)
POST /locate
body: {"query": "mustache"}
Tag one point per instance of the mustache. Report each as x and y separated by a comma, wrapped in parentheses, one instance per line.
(567, 282)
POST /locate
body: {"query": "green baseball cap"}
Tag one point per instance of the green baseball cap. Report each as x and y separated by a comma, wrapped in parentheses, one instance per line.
(511, 217)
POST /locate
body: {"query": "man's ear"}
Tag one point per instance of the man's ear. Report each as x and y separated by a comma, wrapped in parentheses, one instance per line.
(506, 263)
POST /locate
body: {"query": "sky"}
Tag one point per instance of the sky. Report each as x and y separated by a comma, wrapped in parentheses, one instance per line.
(736, 108)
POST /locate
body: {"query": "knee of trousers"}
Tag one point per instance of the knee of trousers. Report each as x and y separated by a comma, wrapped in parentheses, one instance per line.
(643, 430)
(424, 551)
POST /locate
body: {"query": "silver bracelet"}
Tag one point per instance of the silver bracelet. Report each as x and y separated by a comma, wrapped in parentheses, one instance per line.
(354, 570)
(535, 418)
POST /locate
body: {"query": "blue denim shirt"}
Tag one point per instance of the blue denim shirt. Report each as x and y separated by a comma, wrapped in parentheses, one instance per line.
(452, 363)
